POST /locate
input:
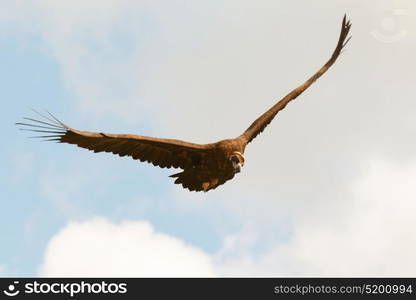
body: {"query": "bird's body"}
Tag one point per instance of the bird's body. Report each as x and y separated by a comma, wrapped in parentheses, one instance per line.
(205, 166)
(216, 167)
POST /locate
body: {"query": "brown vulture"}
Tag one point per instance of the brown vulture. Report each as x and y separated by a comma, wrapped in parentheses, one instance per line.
(204, 166)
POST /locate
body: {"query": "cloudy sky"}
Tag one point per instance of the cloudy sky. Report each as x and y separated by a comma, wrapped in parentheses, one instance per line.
(327, 190)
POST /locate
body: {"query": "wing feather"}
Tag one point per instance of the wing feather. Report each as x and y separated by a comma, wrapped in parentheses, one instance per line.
(164, 153)
(260, 124)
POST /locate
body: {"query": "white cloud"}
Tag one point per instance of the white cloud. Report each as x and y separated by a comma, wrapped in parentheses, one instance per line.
(373, 237)
(129, 249)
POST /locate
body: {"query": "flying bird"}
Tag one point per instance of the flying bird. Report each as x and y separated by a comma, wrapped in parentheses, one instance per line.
(204, 166)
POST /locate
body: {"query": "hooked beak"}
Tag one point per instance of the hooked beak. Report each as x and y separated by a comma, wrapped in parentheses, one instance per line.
(237, 167)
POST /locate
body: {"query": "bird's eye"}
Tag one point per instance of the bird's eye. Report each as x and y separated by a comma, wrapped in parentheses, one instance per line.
(234, 159)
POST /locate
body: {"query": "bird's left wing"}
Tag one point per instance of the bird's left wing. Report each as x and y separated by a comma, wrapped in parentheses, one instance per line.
(160, 152)
(258, 125)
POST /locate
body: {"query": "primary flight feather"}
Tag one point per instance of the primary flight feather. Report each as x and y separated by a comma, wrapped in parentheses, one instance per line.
(204, 166)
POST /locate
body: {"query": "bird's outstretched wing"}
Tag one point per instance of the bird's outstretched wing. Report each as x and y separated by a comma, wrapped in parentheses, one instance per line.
(160, 152)
(258, 125)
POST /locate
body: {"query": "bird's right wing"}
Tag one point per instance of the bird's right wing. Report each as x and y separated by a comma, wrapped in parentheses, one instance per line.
(258, 125)
(160, 152)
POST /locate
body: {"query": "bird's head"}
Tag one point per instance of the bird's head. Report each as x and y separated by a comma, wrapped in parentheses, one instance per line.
(237, 159)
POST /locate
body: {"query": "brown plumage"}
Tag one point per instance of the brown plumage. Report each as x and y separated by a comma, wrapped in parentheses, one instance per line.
(204, 166)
